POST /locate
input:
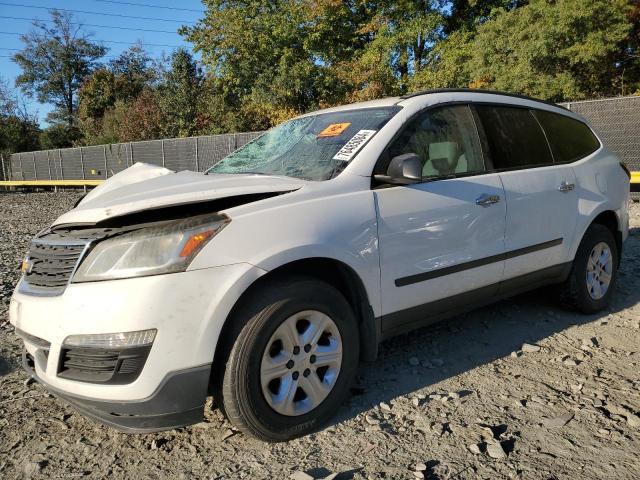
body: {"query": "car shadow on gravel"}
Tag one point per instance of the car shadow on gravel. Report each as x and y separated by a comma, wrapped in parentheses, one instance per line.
(432, 354)
(6, 366)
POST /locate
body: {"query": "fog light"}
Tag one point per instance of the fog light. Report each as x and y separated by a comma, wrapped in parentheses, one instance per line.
(112, 340)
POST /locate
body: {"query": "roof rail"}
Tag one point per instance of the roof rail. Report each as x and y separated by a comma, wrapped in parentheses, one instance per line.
(478, 90)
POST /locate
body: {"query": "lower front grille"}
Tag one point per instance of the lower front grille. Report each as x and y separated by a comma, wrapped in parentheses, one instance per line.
(99, 365)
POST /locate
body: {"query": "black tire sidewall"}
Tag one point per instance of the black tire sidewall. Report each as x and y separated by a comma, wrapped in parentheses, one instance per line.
(278, 304)
(594, 235)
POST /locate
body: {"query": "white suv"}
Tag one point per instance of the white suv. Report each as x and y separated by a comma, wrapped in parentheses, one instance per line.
(266, 279)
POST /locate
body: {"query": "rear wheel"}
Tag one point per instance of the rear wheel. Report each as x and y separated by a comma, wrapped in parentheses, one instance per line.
(594, 271)
(294, 357)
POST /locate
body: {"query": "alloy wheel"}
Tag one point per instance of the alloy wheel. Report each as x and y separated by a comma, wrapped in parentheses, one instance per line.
(599, 271)
(301, 363)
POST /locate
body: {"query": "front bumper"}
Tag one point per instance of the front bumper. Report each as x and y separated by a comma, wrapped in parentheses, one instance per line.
(188, 311)
(178, 401)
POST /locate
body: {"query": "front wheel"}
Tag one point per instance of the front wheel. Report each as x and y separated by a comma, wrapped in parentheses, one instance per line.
(293, 360)
(594, 272)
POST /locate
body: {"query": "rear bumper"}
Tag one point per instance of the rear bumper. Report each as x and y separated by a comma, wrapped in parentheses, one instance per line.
(178, 401)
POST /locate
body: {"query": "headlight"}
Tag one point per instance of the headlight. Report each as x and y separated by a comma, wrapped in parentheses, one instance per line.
(149, 251)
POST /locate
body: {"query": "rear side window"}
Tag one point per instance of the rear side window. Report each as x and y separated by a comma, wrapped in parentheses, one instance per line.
(514, 137)
(570, 139)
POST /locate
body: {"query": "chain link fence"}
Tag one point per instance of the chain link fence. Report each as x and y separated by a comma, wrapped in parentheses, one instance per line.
(103, 161)
(616, 119)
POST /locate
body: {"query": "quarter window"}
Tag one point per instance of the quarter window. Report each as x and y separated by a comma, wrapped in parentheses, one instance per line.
(514, 136)
(445, 139)
(570, 139)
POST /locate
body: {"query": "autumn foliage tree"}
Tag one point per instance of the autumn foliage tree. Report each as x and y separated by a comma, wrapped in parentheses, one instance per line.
(259, 62)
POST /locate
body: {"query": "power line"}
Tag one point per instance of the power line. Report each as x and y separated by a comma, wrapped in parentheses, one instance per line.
(17, 50)
(150, 5)
(106, 57)
(94, 13)
(114, 41)
(92, 25)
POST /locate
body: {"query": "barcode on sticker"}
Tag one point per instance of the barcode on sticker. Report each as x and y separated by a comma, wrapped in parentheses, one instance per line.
(350, 148)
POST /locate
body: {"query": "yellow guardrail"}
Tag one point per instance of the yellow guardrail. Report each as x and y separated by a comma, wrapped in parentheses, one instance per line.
(635, 182)
(50, 183)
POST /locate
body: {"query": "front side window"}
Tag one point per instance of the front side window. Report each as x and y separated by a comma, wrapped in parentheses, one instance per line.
(315, 147)
(514, 137)
(445, 139)
(570, 139)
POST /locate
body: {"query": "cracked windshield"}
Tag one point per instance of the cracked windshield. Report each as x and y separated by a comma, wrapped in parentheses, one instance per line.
(316, 147)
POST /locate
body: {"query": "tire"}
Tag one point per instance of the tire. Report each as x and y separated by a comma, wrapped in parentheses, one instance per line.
(576, 292)
(263, 317)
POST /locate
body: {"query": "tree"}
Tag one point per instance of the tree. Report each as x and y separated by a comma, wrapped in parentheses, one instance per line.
(402, 35)
(98, 93)
(447, 64)
(18, 129)
(133, 70)
(179, 95)
(269, 60)
(630, 56)
(561, 50)
(60, 135)
(467, 15)
(140, 119)
(55, 61)
(123, 79)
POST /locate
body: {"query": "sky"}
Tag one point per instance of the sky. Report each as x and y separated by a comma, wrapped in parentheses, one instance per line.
(163, 15)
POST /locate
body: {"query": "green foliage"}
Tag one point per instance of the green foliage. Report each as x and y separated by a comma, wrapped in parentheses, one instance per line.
(567, 49)
(179, 95)
(447, 64)
(265, 61)
(55, 61)
(272, 59)
(134, 70)
(116, 86)
(98, 93)
(59, 135)
(467, 15)
(402, 35)
(18, 130)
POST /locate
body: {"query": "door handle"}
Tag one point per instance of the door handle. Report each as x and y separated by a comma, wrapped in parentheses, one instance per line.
(566, 187)
(486, 200)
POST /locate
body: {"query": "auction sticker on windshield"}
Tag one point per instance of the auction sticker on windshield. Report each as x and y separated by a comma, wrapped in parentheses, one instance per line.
(334, 129)
(352, 147)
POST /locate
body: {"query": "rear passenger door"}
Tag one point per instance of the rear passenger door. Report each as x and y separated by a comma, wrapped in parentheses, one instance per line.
(541, 199)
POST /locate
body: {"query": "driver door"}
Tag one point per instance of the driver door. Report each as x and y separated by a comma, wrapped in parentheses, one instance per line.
(441, 241)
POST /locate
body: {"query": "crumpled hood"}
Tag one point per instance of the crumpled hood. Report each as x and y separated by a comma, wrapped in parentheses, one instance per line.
(145, 187)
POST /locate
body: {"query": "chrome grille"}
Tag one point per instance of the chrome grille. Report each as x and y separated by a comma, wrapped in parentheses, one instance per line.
(51, 264)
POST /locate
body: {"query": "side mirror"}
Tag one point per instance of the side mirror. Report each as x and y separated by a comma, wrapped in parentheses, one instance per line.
(404, 169)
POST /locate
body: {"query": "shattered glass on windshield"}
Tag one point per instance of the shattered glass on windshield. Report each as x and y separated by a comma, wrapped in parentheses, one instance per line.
(305, 147)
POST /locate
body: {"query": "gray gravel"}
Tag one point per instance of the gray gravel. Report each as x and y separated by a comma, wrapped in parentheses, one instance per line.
(520, 389)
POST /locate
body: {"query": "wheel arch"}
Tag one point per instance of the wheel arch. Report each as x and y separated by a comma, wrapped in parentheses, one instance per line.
(334, 272)
(609, 219)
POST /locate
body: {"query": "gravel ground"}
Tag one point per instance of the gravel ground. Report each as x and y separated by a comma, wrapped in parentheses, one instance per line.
(520, 389)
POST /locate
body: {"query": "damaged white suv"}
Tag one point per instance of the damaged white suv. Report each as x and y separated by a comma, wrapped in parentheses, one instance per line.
(264, 280)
